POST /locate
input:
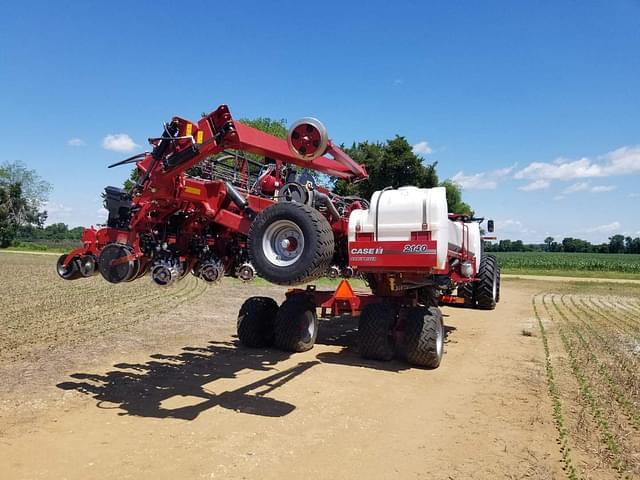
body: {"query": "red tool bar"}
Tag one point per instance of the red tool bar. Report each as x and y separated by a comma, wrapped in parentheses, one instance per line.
(258, 142)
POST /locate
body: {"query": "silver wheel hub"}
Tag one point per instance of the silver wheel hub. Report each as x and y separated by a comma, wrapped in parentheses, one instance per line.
(283, 243)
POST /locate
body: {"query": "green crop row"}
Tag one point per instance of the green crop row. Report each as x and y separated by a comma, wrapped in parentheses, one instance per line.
(586, 262)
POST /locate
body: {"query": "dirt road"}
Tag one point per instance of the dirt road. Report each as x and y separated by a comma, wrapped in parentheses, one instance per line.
(169, 394)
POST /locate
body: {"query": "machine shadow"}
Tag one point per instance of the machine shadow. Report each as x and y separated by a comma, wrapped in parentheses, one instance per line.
(342, 332)
(159, 388)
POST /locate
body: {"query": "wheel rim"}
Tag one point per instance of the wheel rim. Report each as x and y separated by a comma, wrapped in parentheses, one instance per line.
(283, 243)
(308, 326)
(494, 289)
(440, 340)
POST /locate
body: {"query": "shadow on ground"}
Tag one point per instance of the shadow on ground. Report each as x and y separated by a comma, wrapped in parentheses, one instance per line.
(150, 389)
(145, 389)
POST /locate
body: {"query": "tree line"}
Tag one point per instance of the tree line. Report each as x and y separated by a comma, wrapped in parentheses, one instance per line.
(616, 244)
(22, 196)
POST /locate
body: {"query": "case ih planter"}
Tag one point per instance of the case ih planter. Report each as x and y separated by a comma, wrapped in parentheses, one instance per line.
(240, 217)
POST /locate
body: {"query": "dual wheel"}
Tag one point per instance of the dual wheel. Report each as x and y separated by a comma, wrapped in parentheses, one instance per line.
(485, 293)
(78, 267)
(292, 327)
(415, 333)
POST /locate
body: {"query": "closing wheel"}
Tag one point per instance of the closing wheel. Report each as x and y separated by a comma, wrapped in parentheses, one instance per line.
(87, 265)
(424, 337)
(487, 285)
(290, 243)
(375, 331)
(71, 271)
(256, 320)
(296, 324)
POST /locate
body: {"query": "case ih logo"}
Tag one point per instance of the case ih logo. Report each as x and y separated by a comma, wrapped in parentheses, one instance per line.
(367, 251)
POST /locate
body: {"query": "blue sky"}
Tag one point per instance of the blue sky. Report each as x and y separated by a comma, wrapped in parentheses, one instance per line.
(533, 107)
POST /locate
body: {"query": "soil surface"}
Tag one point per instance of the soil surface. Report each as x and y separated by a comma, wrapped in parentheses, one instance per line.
(133, 381)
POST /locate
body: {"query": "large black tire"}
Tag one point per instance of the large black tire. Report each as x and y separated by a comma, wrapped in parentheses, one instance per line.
(375, 331)
(487, 285)
(311, 254)
(424, 337)
(296, 324)
(71, 272)
(256, 322)
(468, 292)
(498, 284)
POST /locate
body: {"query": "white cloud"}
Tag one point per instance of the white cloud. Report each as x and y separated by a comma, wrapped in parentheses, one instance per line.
(514, 229)
(57, 212)
(603, 188)
(576, 187)
(76, 142)
(623, 161)
(422, 148)
(633, 195)
(119, 142)
(535, 185)
(397, 82)
(103, 213)
(607, 228)
(558, 197)
(586, 186)
(483, 180)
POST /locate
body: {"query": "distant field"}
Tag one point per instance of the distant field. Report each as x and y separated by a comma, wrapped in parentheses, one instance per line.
(582, 264)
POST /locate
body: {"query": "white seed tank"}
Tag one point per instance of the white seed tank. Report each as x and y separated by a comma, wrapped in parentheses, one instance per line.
(471, 241)
(394, 214)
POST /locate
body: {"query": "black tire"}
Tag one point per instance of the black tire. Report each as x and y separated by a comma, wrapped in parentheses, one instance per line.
(375, 331)
(256, 320)
(117, 272)
(71, 272)
(316, 253)
(467, 291)
(424, 337)
(498, 284)
(486, 287)
(296, 324)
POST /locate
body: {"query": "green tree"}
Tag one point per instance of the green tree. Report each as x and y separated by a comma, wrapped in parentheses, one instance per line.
(22, 194)
(517, 246)
(616, 244)
(548, 241)
(390, 164)
(454, 198)
(393, 164)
